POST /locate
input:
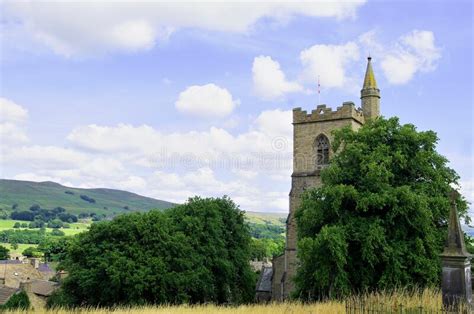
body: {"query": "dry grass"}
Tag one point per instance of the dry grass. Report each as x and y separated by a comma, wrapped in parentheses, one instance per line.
(400, 301)
(273, 308)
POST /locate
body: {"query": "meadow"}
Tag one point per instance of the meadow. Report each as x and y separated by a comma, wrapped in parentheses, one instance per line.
(7, 224)
(401, 301)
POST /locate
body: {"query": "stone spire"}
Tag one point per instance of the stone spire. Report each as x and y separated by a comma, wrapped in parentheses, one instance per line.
(370, 94)
(456, 285)
(455, 245)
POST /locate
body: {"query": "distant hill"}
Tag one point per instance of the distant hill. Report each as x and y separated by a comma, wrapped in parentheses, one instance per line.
(107, 201)
(50, 195)
(269, 218)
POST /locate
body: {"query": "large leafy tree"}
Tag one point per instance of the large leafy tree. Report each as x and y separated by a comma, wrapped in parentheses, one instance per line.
(379, 219)
(193, 253)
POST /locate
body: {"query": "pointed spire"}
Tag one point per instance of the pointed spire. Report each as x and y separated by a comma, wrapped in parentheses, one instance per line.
(369, 81)
(370, 94)
(455, 242)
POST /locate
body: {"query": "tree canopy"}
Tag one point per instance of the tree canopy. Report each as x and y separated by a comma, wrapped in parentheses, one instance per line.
(379, 219)
(4, 253)
(193, 253)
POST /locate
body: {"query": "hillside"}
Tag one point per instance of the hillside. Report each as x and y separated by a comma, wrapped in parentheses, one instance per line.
(51, 195)
(278, 219)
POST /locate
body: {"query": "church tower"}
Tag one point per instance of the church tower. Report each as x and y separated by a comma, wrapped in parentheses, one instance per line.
(312, 152)
(370, 94)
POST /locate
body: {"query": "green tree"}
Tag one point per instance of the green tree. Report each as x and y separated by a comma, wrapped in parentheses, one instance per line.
(55, 223)
(58, 233)
(30, 252)
(54, 248)
(379, 220)
(4, 253)
(14, 245)
(258, 249)
(17, 225)
(195, 253)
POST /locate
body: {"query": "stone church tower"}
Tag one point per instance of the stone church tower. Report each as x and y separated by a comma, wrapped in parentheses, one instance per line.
(311, 152)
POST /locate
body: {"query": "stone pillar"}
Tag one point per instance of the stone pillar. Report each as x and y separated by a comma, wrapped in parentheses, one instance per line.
(456, 262)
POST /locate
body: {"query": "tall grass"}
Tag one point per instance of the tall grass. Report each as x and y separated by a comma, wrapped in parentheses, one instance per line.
(399, 301)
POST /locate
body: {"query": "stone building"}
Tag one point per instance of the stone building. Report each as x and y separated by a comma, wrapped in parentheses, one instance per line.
(312, 151)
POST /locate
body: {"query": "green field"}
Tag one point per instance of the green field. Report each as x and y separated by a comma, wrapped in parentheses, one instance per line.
(50, 195)
(75, 228)
(7, 224)
(20, 249)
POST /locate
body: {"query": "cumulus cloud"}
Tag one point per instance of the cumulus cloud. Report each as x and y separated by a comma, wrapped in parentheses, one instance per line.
(171, 166)
(145, 140)
(269, 80)
(11, 112)
(415, 52)
(329, 62)
(402, 59)
(41, 157)
(207, 100)
(12, 123)
(89, 28)
(275, 122)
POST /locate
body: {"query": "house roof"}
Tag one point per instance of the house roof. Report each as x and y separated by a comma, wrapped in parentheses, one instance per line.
(265, 281)
(43, 287)
(6, 293)
(44, 268)
(10, 261)
(16, 273)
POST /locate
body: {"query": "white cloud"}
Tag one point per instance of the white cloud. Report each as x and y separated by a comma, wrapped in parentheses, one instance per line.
(85, 28)
(207, 100)
(12, 134)
(134, 35)
(42, 157)
(269, 80)
(467, 190)
(12, 120)
(402, 59)
(275, 122)
(11, 112)
(400, 68)
(170, 166)
(329, 62)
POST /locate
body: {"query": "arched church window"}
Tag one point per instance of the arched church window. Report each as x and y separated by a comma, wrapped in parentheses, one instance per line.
(322, 150)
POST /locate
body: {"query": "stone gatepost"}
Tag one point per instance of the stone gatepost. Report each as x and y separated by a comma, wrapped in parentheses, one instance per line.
(456, 281)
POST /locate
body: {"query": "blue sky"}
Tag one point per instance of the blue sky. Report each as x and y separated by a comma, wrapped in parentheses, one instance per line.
(172, 100)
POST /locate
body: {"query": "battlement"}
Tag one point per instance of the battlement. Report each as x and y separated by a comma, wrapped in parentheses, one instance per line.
(322, 113)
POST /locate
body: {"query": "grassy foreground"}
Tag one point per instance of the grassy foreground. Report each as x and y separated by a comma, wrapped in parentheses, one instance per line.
(401, 301)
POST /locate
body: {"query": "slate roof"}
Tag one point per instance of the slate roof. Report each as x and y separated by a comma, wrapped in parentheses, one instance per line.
(43, 287)
(10, 261)
(6, 293)
(44, 268)
(16, 273)
(265, 281)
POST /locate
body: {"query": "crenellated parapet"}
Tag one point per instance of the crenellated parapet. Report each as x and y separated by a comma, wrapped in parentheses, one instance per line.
(323, 113)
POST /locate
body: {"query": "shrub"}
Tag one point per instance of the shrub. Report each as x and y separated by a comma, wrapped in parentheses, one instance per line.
(35, 208)
(18, 301)
(22, 215)
(87, 198)
(4, 253)
(57, 232)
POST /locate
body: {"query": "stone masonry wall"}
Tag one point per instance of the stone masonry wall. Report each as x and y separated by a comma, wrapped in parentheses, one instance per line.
(305, 175)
